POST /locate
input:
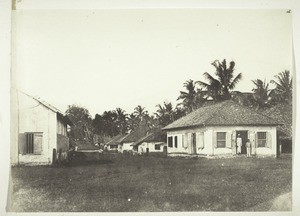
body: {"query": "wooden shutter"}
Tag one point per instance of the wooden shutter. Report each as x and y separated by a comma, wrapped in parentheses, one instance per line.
(38, 143)
(233, 143)
(186, 140)
(215, 139)
(22, 143)
(269, 140)
(201, 141)
(252, 141)
(228, 140)
(197, 140)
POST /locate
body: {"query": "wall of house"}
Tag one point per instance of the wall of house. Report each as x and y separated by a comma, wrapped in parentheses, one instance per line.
(29, 116)
(206, 140)
(63, 142)
(61, 127)
(127, 147)
(142, 148)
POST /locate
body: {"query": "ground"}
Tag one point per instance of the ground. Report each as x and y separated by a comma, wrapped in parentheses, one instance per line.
(140, 183)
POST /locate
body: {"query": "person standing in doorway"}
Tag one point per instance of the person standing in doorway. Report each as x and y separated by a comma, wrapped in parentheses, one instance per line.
(239, 142)
(248, 146)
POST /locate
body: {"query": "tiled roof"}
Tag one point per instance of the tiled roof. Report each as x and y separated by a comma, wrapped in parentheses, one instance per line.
(224, 113)
(137, 134)
(282, 113)
(154, 136)
(116, 139)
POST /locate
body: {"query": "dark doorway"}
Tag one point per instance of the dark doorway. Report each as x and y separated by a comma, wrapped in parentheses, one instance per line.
(244, 136)
(194, 149)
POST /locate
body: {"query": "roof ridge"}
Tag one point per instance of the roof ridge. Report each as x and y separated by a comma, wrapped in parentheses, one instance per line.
(252, 110)
(46, 104)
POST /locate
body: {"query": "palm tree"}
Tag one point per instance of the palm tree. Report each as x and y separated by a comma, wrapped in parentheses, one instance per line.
(132, 122)
(283, 91)
(140, 112)
(193, 98)
(220, 88)
(121, 120)
(261, 93)
(165, 113)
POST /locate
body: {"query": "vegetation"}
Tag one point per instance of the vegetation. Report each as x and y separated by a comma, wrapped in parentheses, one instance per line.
(220, 88)
(153, 184)
(284, 89)
(261, 93)
(195, 94)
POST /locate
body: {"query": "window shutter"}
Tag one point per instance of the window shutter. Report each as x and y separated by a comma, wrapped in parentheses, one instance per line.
(228, 140)
(22, 143)
(255, 143)
(38, 143)
(186, 140)
(215, 139)
(197, 140)
(252, 141)
(269, 140)
(233, 143)
(201, 141)
(189, 142)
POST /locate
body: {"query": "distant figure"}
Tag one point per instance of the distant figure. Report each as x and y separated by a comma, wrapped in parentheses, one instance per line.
(248, 146)
(76, 148)
(239, 142)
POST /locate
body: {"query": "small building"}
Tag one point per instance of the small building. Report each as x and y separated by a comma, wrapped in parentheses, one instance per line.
(283, 113)
(37, 128)
(154, 141)
(213, 129)
(126, 142)
(112, 145)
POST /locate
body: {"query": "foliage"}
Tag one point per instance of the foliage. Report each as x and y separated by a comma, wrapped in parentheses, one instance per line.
(193, 98)
(261, 93)
(220, 88)
(110, 123)
(82, 128)
(283, 91)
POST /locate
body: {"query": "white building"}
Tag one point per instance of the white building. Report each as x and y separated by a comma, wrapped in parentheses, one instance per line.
(37, 128)
(213, 129)
(154, 141)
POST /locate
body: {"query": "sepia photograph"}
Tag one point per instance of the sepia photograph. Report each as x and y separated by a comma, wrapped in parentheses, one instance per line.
(151, 110)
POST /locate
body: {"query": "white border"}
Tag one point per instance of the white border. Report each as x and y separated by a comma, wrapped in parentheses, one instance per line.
(5, 41)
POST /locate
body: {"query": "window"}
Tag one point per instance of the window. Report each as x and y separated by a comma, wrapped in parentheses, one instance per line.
(175, 141)
(221, 139)
(157, 147)
(170, 141)
(261, 139)
(29, 143)
(34, 143)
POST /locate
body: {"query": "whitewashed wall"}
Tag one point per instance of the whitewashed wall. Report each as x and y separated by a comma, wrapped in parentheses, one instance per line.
(151, 145)
(207, 138)
(127, 147)
(32, 117)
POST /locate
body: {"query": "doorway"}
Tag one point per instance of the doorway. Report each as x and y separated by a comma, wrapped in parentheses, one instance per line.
(244, 136)
(194, 149)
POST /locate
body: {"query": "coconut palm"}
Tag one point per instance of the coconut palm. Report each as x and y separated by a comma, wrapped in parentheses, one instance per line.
(132, 122)
(220, 88)
(261, 93)
(193, 98)
(121, 120)
(165, 113)
(140, 112)
(284, 90)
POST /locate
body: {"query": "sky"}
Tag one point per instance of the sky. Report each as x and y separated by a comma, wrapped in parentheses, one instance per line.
(104, 59)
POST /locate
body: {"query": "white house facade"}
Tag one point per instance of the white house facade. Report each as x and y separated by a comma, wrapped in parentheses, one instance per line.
(212, 130)
(36, 129)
